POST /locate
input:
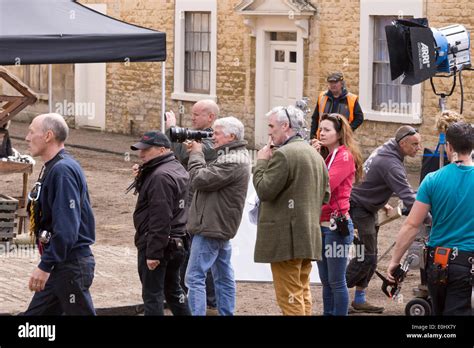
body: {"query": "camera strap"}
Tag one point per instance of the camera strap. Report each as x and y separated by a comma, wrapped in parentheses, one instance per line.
(34, 206)
(333, 157)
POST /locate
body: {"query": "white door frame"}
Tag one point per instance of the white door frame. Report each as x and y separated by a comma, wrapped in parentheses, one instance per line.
(90, 95)
(263, 27)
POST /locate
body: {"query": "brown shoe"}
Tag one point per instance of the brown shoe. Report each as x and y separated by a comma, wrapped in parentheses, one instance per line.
(212, 312)
(366, 308)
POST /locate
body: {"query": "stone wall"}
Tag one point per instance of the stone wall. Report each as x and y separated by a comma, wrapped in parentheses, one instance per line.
(134, 90)
(441, 13)
(334, 45)
(133, 99)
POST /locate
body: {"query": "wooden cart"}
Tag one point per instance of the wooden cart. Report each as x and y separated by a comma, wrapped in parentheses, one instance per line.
(10, 106)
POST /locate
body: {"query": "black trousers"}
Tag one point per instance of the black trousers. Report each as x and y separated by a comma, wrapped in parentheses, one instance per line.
(453, 298)
(163, 283)
(66, 291)
(360, 270)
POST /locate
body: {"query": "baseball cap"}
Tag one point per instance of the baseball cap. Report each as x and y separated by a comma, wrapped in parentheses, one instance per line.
(149, 139)
(335, 77)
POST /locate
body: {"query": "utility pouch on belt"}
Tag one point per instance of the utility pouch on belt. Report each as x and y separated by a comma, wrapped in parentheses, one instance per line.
(424, 258)
(441, 257)
(471, 261)
(343, 226)
(175, 244)
(441, 263)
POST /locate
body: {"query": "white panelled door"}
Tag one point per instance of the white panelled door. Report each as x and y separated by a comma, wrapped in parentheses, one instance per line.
(284, 58)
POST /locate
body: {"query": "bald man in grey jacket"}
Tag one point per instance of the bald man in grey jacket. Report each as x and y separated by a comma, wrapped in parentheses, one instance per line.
(385, 174)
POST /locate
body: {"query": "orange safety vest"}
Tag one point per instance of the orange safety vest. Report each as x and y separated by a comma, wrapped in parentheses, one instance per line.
(351, 101)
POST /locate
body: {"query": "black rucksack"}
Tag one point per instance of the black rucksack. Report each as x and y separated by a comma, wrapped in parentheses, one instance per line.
(430, 162)
(6, 146)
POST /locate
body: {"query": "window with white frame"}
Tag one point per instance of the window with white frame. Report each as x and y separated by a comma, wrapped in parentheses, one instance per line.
(387, 94)
(198, 52)
(381, 98)
(195, 60)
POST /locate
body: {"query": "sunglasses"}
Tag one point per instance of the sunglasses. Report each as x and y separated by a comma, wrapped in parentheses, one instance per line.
(408, 134)
(288, 115)
(333, 117)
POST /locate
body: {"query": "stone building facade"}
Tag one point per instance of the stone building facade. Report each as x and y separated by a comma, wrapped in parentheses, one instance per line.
(256, 47)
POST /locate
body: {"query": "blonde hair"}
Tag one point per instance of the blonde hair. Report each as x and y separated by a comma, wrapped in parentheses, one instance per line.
(446, 119)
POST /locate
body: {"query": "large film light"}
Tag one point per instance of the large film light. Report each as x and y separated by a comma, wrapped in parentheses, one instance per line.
(418, 52)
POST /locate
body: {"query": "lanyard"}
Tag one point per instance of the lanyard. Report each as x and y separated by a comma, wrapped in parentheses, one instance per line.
(333, 157)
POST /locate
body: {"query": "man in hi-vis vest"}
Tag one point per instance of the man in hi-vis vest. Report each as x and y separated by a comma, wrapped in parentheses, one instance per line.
(337, 100)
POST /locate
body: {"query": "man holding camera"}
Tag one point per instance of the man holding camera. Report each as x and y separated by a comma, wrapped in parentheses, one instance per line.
(160, 219)
(216, 212)
(203, 115)
(385, 174)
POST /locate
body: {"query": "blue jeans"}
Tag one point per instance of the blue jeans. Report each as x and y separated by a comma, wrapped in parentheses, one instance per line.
(210, 293)
(332, 270)
(210, 254)
(68, 280)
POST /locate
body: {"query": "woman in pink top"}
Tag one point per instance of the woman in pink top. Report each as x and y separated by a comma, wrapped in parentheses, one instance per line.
(344, 161)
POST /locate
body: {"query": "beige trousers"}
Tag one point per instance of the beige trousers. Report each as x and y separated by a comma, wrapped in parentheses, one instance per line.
(291, 282)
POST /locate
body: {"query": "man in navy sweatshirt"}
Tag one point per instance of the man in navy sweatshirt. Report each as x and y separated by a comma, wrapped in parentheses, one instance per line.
(385, 174)
(63, 224)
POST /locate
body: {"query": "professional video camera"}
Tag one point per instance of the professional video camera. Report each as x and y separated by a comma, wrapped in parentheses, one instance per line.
(180, 135)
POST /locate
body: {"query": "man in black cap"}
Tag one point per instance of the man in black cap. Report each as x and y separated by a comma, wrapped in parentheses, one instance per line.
(337, 100)
(160, 219)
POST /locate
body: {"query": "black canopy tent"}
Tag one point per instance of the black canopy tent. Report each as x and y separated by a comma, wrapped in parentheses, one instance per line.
(64, 31)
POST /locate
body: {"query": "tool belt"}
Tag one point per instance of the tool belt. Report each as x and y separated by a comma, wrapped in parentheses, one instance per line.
(462, 258)
(440, 258)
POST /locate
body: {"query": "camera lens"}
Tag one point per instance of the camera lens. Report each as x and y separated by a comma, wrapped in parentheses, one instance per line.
(180, 135)
(177, 134)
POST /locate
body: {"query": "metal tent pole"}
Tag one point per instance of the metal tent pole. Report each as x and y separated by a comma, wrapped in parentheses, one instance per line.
(163, 96)
(50, 88)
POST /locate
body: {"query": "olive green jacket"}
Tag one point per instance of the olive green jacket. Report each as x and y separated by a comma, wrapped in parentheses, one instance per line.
(220, 188)
(292, 187)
